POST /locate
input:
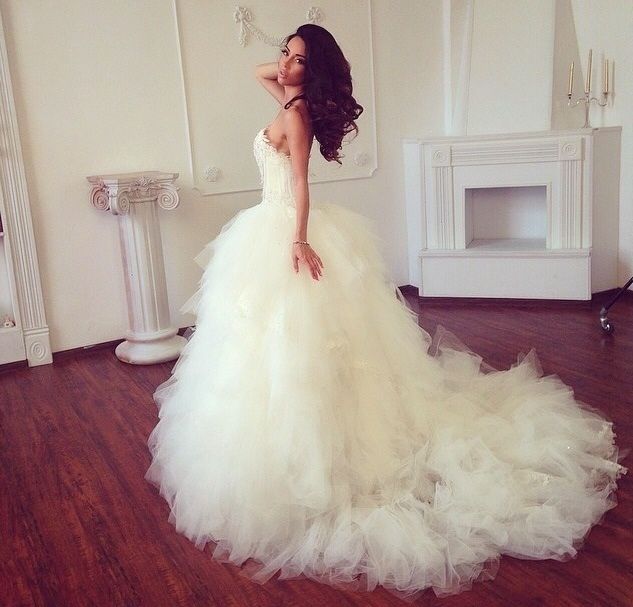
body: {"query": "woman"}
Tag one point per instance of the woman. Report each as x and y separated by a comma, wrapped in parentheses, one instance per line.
(310, 424)
(328, 86)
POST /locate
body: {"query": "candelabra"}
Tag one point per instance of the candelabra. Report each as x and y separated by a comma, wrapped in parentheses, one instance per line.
(587, 98)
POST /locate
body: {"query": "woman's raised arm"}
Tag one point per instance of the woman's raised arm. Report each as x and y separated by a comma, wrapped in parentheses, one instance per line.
(266, 74)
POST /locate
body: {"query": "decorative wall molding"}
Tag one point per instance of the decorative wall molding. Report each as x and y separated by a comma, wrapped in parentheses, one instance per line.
(441, 156)
(361, 159)
(243, 17)
(222, 169)
(443, 226)
(212, 173)
(570, 148)
(459, 122)
(457, 38)
(569, 210)
(33, 334)
(447, 66)
(506, 152)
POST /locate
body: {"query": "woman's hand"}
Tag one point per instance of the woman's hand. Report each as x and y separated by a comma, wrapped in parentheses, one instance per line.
(305, 253)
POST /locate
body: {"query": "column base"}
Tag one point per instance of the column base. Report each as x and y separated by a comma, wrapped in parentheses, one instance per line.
(138, 350)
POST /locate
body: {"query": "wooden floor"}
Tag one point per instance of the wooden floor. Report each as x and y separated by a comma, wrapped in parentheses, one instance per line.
(80, 525)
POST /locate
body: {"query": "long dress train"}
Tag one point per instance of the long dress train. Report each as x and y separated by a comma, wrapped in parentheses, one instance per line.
(315, 428)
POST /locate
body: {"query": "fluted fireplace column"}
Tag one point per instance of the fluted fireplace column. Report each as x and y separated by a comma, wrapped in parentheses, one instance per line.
(135, 199)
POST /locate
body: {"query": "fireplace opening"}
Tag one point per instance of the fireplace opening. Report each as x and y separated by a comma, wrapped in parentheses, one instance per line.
(512, 218)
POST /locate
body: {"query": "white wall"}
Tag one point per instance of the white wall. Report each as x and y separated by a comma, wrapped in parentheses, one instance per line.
(511, 66)
(98, 90)
(606, 26)
(519, 62)
(566, 51)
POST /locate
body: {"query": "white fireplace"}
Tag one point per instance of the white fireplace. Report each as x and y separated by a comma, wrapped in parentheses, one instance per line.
(522, 215)
(506, 216)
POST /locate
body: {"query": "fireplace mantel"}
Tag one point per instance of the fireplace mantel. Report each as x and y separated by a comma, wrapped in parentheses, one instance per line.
(475, 206)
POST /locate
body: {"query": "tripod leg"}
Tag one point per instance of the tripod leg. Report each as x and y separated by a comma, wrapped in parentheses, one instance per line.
(604, 321)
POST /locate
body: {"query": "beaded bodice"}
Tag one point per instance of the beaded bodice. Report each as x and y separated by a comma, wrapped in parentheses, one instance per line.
(275, 171)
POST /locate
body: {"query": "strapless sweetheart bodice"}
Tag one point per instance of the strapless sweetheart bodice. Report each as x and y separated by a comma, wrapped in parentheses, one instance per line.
(275, 171)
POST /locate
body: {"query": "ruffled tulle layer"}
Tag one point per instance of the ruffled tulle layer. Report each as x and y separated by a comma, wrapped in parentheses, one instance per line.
(314, 427)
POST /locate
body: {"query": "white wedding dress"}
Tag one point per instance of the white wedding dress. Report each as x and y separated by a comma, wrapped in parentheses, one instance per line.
(315, 427)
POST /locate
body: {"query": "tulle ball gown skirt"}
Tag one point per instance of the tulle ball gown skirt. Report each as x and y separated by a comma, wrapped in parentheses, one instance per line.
(312, 428)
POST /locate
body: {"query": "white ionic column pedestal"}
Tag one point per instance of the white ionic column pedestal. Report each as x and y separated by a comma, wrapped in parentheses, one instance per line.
(135, 198)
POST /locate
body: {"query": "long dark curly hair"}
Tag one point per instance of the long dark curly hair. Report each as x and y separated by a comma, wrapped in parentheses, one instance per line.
(327, 90)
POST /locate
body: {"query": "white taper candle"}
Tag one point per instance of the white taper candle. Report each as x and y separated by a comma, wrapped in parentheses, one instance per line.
(588, 81)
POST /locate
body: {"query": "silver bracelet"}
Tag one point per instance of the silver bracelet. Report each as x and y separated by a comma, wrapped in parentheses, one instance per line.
(301, 242)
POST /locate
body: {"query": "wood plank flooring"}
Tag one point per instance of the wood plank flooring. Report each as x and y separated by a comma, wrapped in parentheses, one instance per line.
(81, 527)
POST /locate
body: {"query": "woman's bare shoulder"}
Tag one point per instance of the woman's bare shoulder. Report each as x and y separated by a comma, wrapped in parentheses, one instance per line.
(298, 117)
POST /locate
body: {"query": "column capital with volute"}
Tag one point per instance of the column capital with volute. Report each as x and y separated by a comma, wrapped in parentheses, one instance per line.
(116, 192)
